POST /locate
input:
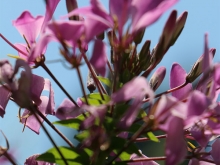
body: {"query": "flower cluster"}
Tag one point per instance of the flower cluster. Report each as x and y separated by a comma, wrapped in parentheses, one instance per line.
(122, 107)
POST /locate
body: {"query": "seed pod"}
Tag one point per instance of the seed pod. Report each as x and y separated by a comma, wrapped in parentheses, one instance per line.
(157, 78)
(90, 83)
(139, 36)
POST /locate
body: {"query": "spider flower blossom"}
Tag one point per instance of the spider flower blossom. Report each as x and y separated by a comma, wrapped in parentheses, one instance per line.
(25, 90)
(142, 13)
(30, 27)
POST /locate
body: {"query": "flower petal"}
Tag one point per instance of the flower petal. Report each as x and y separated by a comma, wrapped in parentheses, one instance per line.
(50, 8)
(177, 78)
(51, 104)
(147, 12)
(67, 110)
(99, 57)
(215, 151)
(176, 150)
(32, 122)
(28, 26)
(136, 87)
(4, 98)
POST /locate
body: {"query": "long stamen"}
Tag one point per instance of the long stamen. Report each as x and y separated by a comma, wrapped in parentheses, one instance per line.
(29, 47)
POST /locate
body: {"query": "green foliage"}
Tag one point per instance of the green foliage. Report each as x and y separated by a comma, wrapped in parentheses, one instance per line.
(105, 81)
(71, 123)
(72, 156)
(96, 99)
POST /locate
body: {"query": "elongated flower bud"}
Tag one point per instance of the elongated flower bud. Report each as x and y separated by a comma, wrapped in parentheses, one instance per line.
(157, 78)
(165, 39)
(180, 23)
(139, 36)
(144, 55)
(197, 67)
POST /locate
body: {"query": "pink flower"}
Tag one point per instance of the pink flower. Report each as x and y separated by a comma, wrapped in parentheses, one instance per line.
(30, 27)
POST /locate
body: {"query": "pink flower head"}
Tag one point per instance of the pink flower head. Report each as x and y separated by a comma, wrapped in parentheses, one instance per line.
(30, 28)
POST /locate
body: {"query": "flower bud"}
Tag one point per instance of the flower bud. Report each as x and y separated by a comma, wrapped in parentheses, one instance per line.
(180, 23)
(165, 39)
(157, 78)
(197, 68)
(139, 36)
(144, 55)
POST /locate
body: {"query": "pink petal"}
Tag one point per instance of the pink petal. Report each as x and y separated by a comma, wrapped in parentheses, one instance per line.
(215, 151)
(4, 98)
(99, 57)
(137, 86)
(51, 104)
(32, 161)
(67, 110)
(50, 8)
(120, 10)
(157, 78)
(37, 86)
(22, 47)
(40, 47)
(28, 26)
(67, 30)
(32, 122)
(131, 114)
(147, 12)
(176, 150)
(178, 77)
(22, 93)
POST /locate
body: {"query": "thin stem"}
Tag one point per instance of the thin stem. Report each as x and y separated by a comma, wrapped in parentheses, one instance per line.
(110, 68)
(93, 75)
(168, 91)
(13, 45)
(58, 83)
(81, 84)
(10, 159)
(54, 128)
(146, 159)
(33, 108)
(146, 139)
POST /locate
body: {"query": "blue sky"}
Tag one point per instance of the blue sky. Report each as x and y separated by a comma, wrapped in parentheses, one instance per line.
(203, 18)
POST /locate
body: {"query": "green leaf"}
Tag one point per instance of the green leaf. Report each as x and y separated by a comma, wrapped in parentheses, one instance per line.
(118, 143)
(82, 135)
(152, 137)
(71, 123)
(105, 81)
(71, 155)
(96, 99)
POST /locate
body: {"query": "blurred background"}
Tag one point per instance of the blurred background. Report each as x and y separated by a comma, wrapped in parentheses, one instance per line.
(203, 17)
